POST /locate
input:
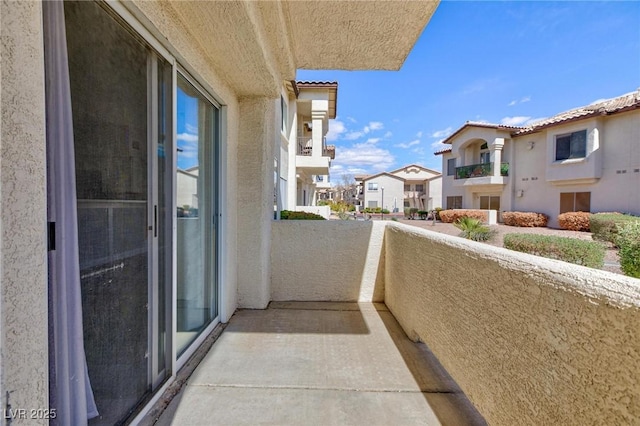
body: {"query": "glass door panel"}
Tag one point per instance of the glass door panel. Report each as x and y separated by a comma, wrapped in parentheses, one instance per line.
(195, 194)
(121, 94)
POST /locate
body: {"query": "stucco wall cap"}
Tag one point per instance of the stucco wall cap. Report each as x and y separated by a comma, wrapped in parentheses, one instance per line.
(600, 286)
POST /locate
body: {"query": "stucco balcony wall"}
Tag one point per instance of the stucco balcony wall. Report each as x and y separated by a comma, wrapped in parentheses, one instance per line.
(529, 340)
(327, 261)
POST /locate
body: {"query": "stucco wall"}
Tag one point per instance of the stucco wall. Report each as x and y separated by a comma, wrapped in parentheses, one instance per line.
(393, 189)
(529, 340)
(23, 207)
(255, 201)
(327, 260)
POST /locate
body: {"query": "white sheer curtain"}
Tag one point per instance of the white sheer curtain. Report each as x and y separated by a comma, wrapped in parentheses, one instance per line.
(70, 390)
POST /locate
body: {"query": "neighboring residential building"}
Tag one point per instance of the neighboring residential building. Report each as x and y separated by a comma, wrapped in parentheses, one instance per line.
(304, 156)
(105, 106)
(411, 186)
(585, 159)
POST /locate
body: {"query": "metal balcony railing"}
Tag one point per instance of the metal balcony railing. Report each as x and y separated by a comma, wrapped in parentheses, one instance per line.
(480, 170)
(305, 147)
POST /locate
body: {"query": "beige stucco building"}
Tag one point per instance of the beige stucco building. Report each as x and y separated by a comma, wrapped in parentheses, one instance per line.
(411, 186)
(303, 158)
(584, 159)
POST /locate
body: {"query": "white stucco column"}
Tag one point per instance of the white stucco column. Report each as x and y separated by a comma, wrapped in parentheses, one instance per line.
(495, 148)
(24, 347)
(257, 130)
(318, 117)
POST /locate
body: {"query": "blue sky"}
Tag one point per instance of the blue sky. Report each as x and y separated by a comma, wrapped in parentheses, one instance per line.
(501, 62)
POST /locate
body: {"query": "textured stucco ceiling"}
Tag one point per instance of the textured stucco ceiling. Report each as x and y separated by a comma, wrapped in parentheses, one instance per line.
(255, 45)
(355, 35)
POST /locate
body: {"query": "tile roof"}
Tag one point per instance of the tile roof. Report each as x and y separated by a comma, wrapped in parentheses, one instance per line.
(317, 83)
(615, 105)
(442, 151)
(618, 104)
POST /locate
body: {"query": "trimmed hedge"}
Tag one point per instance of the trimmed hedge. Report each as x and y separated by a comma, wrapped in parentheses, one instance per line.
(525, 219)
(289, 215)
(451, 216)
(604, 226)
(574, 221)
(628, 239)
(573, 250)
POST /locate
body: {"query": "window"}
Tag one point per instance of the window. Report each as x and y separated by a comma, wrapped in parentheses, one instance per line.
(407, 188)
(407, 204)
(575, 202)
(420, 188)
(490, 202)
(454, 202)
(572, 145)
(284, 113)
(451, 167)
(372, 186)
(485, 155)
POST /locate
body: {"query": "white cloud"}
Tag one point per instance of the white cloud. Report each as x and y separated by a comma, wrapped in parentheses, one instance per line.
(336, 128)
(514, 121)
(351, 136)
(419, 150)
(191, 129)
(520, 101)
(388, 135)
(187, 137)
(351, 119)
(442, 133)
(376, 125)
(364, 157)
(408, 144)
(438, 145)
(419, 134)
(373, 140)
(533, 120)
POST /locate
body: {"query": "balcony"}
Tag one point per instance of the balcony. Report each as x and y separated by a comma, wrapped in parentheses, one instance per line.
(480, 174)
(322, 182)
(314, 162)
(413, 194)
(526, 339)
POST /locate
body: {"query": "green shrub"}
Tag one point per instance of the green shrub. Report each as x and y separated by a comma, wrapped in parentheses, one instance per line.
(438, 210)
(289, 215)
(423, 214)
(628, 239)
(574, 221)
(473, 229)
(573, 250)
(525, 219)
(604, 226)
(323, 203)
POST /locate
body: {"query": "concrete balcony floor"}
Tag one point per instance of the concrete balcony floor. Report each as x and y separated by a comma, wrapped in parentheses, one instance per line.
(319, 363)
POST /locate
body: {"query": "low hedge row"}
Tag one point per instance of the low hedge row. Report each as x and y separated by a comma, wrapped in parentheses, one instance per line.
(628, 239)
(574, 221)
(573, 250)
(289, 215)
(604, 226)
(451, 216)
(525, 219)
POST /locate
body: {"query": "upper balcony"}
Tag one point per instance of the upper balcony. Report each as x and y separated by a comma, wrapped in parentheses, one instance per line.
(526, 339)
(413, 194)
(481, 174)
(322, 182)
(316, 162)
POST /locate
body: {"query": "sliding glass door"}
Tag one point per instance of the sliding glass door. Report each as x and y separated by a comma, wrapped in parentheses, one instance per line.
(146, 140)
(196, 210)
(121, 94)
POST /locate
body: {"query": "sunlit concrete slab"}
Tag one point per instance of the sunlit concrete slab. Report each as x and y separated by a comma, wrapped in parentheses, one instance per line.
(319, 363)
